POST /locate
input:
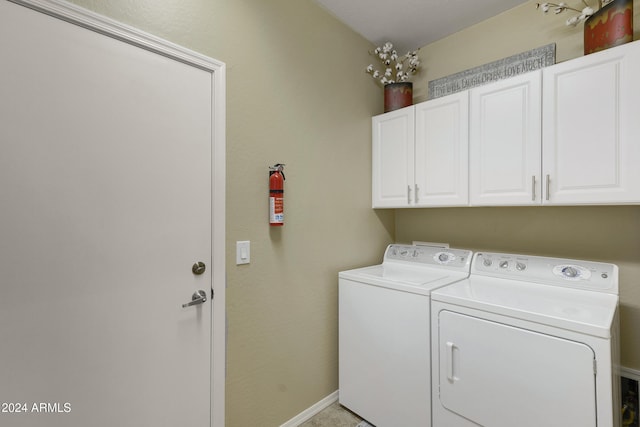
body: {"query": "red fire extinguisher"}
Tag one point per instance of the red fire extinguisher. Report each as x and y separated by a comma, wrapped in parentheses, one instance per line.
(276, 194)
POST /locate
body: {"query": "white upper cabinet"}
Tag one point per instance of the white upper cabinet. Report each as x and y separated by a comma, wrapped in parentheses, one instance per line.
(420, 154)
(442, 151)
(591, 128)
(505, 142)
(568, 134)
(393, 154)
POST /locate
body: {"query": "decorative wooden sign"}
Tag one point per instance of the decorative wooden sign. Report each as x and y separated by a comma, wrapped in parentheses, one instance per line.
(501, 69)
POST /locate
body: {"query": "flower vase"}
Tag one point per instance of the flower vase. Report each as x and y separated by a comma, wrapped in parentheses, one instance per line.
(610, 26)
(397, 95)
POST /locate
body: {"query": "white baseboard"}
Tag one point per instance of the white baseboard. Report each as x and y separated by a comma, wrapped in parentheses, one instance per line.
(311, 411)
(632, 374)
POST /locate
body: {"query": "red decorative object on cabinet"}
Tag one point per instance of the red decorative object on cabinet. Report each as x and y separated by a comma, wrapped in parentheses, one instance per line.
(397, 95)
(610, 26)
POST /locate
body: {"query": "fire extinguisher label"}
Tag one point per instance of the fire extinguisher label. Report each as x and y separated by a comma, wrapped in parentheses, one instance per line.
(276, 210)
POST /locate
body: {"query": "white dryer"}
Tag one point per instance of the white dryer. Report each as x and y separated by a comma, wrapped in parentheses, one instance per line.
(384, 333)
(527, 341)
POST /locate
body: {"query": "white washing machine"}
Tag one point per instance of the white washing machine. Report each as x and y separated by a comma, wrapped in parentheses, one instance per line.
(384, 333)
(527, 341)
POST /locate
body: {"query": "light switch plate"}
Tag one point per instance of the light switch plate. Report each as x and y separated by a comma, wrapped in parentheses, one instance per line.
(243, 252)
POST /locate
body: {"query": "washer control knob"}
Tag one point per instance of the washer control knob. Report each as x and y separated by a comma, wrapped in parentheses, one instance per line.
(487, 262)
(570, 271)
(444, 257)
(521, 266)
(504, 264)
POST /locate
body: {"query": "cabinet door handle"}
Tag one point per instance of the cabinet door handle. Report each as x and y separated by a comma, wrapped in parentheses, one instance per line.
(533, 188)
(416, 193)
(548, 185)
(408, 194)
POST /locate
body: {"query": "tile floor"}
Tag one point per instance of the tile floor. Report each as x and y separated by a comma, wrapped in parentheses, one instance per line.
(334, 415)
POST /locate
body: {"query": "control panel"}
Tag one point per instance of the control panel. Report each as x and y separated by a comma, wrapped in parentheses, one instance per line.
(563, 272)
(429, 255)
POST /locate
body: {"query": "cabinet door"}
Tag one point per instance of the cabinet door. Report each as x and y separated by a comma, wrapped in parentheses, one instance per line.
(505, 142)
(592, 128)
(393, 168)
(442, 151)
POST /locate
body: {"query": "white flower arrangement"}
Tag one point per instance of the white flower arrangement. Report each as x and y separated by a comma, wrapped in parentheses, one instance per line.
(558, 8)
(396, 68)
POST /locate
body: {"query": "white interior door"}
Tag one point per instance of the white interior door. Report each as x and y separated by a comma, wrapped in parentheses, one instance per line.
(106, 190)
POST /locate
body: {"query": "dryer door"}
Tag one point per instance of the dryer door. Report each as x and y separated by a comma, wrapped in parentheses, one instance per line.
(502, 376)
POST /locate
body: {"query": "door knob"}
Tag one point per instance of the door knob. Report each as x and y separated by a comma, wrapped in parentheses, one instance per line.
(198, 268)
(198, 297)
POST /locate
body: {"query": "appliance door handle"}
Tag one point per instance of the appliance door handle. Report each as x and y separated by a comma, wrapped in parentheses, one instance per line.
(450, 349)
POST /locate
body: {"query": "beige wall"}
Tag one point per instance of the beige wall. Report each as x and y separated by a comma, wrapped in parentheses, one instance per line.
(610, 234)
(517, 30)
(297, 94)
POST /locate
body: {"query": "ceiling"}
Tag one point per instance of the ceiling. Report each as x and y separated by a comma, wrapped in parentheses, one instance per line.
(410, 24)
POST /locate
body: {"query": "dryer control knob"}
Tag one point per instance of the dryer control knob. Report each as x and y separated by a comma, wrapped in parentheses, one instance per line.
(570, 271)
(504, 264)
(443, 257)
(521, 266)
(487, 262)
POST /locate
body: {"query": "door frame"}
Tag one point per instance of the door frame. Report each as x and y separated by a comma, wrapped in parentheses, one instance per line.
(90, 20)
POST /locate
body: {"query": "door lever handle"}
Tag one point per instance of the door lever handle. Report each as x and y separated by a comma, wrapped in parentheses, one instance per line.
(198, 297)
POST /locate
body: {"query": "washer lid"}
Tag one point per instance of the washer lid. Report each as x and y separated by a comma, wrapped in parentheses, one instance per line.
(571, 309)
(415, 268)
(420, 280)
